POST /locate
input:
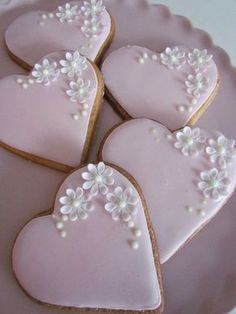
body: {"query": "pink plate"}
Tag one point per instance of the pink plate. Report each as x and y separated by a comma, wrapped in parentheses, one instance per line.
(199, 279)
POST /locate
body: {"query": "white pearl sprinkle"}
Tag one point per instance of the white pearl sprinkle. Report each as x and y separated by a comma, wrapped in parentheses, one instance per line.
(145, 55)
(31, 81)
(85, 106)
(25, 85)
(141, 61)
(194, 101)
(157, 140)
(84, 113)
(153, 131)
(41, 23)
(63, 233)
(75, 116)
(64, 218)
(51, 15)
(154, 57)
(59, 225)
(189, 209)
(180, 108)
(190, 109)
(134, 245)
(44, 16)
(19, 81)
(169, 137)
(204, 201)
(137, 232)
(201, 212)
(130, 224)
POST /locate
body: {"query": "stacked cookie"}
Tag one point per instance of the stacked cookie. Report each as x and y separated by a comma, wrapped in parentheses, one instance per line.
(154, 185)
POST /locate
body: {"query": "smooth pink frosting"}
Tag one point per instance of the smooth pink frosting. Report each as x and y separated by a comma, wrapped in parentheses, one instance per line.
(30, 41)
(89, 266)
(38, 120)
(169, 180)
(151, 90)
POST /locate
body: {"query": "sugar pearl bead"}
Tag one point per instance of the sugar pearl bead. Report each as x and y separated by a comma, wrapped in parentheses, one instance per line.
(201, 212)
(85, 106)
(134, 245)
(130, 224)
(154, 57)
(44, 16)
(169, 137)
(153, 131)
(63, 233)
(141, 61)
(190, 109)
(75, 116)
(180, 108)
(194, 101)
(145, 55)
(59, 225)
(19, 81)
(25, 85)
(31, 81)
(51, 15)
(84, 113)
(189, 209)
(64, 218)
(137, 232)
(157, 140)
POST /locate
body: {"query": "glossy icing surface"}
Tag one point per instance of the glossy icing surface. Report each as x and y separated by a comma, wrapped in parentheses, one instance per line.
(52, 35)
(149, 89)
(168, 178)
(89, 266)
(39, 119)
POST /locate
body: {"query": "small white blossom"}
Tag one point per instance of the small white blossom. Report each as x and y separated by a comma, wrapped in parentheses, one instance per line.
(67, 13)
(199, 59)
(189, 141)
(80, 91)
(74, 64)
(46, 72)
(173, 58)
(196, 84)
(92, 28)
(98, 178)
(92, 8)
(75, 204)
(214, 184)
(122, 204)
(221, 150)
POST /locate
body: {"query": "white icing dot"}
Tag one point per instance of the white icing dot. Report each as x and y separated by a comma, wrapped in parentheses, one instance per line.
(75, 116)
(85, 106)
(30, 81)
(130, 224)
(51, 15)
(134, 245)
(137, 232)
(189, 209)
(141, 61)
(63, 233)
(169, 137)
(44, 16)
(154, 57)
(157, 140)
(41, 23)
(194, 101)
(153, 131)
(204, 201)
(201, 212)
(84, 113)
(59, 225)
(64, 218)
(145, 55)
(180, 108)
(190, 109)
(25, 85)
(19, 81)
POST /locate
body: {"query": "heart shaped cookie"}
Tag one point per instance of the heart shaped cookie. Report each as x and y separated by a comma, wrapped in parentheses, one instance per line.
(174, 87)
(49, 116)
(85, 26)
(186, 176)
(96, 250)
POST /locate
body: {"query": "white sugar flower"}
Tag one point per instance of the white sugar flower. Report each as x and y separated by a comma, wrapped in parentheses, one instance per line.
(67, 13)
(199, 59)
(221, 150)
(190, 141)
(122, 204)
(98, 178)
(173, 58)
(75, 204)
(214, 184)
(92, 8)
(196, 84)
(46, 72)
(92, 28)
(80, 91)
(74, 64)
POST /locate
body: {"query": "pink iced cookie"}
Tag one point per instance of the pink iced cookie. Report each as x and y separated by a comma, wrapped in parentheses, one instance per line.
(173, 87)
(49, 116)
(80, 25)
(186, 177)
(96, 250)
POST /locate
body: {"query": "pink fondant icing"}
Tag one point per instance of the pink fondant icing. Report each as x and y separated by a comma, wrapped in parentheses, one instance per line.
(89, 266)
(151, 90)
(38, 120)
(169, 180)
(30, 41)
